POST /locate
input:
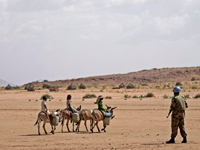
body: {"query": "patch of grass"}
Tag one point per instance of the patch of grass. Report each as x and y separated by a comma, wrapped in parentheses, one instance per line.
(104, 86)
(89, 86)
(145, 84)
(166, 96)
(187, 96)
(197, 96)
(90, 96)
(194, 87)
(150, 95)
(127, 96)
(157, 87)
(178, 83)
(108, 97)
(47, 96)
(141, 96)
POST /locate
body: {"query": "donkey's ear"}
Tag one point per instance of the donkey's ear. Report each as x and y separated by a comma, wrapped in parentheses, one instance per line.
(114, 108)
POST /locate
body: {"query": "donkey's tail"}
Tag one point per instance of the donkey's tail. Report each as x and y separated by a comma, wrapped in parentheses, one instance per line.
(37, 120)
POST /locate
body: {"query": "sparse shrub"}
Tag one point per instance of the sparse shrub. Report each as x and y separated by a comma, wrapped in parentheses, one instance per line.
(89, 96)
(144, 84)
(104, 86)
(164, 86)
(197, 96)
(166, 96)
(89, 86)
(193, 79)
(178, 84)
(187, 96)
(47, 96)
(108, 97)
(194, 87)
(46, 86)
(150, 95)
(135, 96)
(127, 96)
(157, 87)
(101, 90)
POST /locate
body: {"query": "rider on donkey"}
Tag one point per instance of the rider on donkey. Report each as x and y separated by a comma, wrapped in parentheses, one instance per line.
(99, 102)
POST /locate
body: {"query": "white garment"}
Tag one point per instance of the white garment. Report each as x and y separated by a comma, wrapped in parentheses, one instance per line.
(43, 104)
(68, 103)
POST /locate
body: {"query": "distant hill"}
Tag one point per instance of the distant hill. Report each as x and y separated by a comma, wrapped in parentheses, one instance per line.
(4, 83)
(144, 76)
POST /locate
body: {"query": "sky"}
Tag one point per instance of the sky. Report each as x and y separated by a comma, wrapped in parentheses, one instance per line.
(65, 39)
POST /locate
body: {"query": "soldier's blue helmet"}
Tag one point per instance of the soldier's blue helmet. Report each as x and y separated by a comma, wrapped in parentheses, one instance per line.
(177, 89)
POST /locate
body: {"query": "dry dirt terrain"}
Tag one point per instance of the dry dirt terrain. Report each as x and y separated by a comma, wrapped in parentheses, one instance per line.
(139, 123)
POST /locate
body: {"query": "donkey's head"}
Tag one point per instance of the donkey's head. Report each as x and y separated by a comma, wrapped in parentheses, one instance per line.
(110, 110)
(79, 108)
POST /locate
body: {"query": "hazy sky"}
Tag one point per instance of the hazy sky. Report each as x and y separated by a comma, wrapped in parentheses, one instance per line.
(49, 39)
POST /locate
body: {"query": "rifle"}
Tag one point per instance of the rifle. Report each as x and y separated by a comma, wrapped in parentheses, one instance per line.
(169, 113)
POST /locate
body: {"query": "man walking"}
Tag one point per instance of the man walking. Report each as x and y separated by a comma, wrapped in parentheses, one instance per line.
(178, 107)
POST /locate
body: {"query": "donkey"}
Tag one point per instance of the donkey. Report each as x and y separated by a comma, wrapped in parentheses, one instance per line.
(68, 115)
(99, 116)
(42, 116)
(85, 114)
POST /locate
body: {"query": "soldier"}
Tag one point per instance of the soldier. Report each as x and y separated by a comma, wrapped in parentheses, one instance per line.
(178, 107)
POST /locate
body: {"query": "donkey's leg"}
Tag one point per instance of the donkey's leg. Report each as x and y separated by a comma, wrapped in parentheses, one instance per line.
(62, 124)
(52, 131)
(44, 127)
(91, 125)
(97, 126)
(86, 125)
(39, 126)
(73, 126)
(78, 126)
(67, 124)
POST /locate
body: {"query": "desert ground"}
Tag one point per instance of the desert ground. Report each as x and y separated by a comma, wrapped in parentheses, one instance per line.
(139, 123)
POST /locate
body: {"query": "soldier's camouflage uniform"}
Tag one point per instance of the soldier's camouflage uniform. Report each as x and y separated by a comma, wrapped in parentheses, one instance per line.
(178, 106)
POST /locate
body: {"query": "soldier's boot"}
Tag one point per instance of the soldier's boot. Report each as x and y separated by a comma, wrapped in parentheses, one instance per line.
(170, 141)
(184, 140)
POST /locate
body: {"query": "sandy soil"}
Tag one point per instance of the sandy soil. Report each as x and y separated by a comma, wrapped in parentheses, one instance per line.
(139, 124)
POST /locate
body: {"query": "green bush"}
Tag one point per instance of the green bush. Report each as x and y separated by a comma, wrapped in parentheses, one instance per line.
(166, 96)
(178, 84)
(187, 96)
(197, 96)
(193, 79)
(47, 96)
(108, 97)
(157, 87)
(90, 96)
(46, 86)
(144, 84)
(135, 96)
(194, 87)
(141, 96)
(150, 95)
(127, 96)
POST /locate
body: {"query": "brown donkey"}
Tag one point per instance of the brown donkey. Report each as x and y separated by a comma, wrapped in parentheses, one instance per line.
(68, 115)
(85, 114)
(99, 116)
(42, 116)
